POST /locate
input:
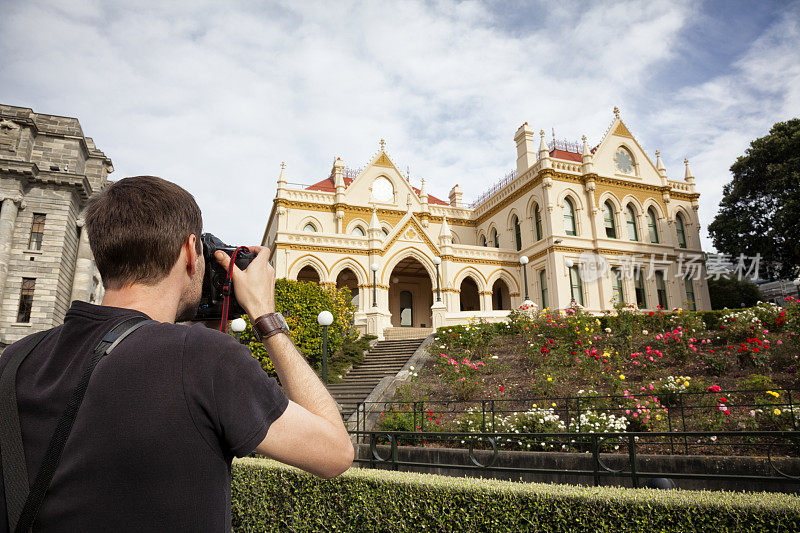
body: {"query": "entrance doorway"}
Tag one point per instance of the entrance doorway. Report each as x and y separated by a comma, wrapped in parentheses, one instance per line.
(406, 309)
(470, 301)
(410, 295)
(347, 278)
(500, 296)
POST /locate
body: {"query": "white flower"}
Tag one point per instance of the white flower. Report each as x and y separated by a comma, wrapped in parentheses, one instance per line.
(411, 368)
(645, 332)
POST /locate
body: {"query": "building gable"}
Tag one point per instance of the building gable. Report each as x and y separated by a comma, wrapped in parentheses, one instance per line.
(606, 153)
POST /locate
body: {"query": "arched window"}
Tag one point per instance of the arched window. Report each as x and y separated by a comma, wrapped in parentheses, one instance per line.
(661, 290)
(652, 225)
(537, 217)
(608, 219)
(517, 233)
(680, 230)
(543, 286)
(311, 228)
(358, 231)
(630, 217)
(689, 286)
(569, 217)
(494, 240)
(385, 232)
(618, 286)
(483, 240)
(575, 285)
(641, 297)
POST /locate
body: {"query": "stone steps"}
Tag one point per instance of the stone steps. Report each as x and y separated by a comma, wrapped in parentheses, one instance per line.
(386, 358)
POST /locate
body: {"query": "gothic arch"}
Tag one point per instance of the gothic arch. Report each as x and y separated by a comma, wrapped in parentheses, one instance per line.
(312, 261)
(510, 219)
(630, 199)
(609, 196)
(533, 200)
(473, 273)
(506, 276)
(357, 222)
(312, 220)
(348, 262)
(398, 256)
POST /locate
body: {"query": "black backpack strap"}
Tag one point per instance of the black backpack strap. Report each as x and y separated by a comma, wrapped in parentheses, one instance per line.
(64, 426)
(15, 473)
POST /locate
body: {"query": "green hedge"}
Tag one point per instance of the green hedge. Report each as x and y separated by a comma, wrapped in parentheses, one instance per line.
(267, 496)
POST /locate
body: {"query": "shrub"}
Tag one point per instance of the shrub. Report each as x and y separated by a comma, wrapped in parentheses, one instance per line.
(267, 496)
(300, 303)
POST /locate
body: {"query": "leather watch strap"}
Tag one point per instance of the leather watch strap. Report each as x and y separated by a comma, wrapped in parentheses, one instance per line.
(268, 325)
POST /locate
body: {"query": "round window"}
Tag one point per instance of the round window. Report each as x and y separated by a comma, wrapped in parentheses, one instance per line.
(382, 190)
(624, 161)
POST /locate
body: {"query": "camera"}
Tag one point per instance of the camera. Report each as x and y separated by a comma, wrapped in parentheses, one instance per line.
(215, 280)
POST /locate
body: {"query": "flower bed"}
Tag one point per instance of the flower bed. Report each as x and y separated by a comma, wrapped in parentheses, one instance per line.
(667, 371)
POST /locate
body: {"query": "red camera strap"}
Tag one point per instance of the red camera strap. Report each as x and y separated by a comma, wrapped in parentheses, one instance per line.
(226, 290)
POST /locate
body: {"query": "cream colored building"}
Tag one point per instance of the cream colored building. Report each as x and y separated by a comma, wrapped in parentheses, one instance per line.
(597, 226)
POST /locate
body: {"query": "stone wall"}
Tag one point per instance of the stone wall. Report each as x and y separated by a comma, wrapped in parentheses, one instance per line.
(47, 167)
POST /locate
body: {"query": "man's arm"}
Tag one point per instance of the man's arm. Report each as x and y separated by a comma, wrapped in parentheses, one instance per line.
(310, 433)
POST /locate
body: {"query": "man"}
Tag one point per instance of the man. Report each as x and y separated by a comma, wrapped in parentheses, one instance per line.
(171, 405)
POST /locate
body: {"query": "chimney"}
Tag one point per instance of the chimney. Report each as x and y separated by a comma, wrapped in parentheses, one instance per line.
(526, 153)
(455, 196)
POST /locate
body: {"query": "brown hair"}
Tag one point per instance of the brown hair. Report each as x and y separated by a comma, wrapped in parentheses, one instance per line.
(136, 228)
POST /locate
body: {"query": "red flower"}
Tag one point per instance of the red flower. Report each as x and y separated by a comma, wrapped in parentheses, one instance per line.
(501, 388)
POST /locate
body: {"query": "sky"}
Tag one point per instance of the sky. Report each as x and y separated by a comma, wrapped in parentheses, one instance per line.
(215, 95)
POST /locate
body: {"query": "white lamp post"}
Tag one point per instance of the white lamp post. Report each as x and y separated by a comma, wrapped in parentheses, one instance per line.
(437, 261)
(797, 286)
(374, 267)
(523, 260)
(325, 319)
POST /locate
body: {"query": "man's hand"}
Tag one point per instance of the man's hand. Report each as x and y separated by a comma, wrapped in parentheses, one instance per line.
(254, 286)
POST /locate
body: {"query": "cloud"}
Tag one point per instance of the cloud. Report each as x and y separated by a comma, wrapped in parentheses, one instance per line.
(216, 95)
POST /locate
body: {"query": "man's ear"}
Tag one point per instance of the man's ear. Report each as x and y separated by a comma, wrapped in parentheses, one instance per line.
(191, 254)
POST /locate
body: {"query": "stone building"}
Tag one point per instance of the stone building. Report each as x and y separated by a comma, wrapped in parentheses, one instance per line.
(48, 170)
(593, 226)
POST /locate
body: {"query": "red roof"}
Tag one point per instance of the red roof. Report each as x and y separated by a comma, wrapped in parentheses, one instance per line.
(568, 156)
(327, 185)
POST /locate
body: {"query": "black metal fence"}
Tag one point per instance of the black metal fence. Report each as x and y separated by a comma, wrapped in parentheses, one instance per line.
(680, 413)
(774, 456)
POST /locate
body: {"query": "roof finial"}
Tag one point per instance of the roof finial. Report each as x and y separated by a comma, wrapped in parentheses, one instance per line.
(688, 176)
(616, 111)
(283, 165)
(383, 145)
(662, 170)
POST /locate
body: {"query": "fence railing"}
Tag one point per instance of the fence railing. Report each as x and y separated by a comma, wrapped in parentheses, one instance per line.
(680, 412)
(781, 449)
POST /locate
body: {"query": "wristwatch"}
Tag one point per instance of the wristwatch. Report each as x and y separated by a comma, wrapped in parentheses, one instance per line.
(268, 325)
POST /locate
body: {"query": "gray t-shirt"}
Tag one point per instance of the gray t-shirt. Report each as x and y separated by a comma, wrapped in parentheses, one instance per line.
(164, 414)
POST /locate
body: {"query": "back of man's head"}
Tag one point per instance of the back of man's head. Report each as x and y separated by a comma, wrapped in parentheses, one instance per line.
(136, 228)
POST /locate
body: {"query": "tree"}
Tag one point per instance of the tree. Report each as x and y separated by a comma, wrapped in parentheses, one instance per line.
(760, 208)
(733, 293)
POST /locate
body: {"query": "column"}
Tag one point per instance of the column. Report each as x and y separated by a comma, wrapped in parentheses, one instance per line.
(82, 279)
(8, 218)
